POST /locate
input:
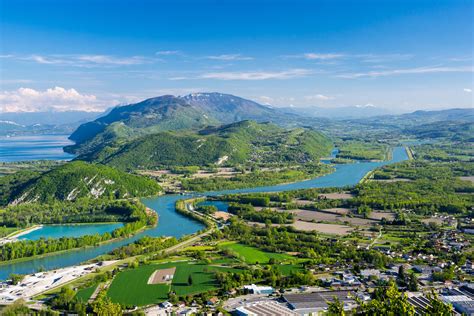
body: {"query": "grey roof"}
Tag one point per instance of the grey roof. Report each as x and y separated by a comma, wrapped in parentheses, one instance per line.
(318, 299)
(266, 308)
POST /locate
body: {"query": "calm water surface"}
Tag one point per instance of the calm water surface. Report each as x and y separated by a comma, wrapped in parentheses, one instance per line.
(58, 231)
(40, 147)
(174, 224)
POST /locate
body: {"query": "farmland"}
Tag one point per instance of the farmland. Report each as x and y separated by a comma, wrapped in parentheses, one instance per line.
(253, 255)
(85, 293)
(131, 287)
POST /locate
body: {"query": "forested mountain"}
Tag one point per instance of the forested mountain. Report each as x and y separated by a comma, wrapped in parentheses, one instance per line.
(71, 181)
(167, 113)
(237, 143)
(450, 130)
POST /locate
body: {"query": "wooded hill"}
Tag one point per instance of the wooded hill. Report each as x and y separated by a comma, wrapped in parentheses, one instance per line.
(72, 181)
(245, 142)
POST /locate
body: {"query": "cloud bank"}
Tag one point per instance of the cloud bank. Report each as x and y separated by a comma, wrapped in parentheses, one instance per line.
(54, 99)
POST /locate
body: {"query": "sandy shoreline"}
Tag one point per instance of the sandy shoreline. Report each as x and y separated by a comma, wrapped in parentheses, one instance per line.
(15, 236)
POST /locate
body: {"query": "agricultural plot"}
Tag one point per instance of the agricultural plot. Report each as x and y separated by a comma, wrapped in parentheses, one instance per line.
(253, 255)
(330, 215)
(287, 269)
(333, 229)
(85, 293)
(132, 287)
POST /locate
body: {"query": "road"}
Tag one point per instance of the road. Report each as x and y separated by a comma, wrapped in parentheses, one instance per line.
(375, 239)
(188, 242)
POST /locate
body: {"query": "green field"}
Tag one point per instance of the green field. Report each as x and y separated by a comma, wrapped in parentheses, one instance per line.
(287, 269)
(130, 286)
(253, 255)
(85, 293)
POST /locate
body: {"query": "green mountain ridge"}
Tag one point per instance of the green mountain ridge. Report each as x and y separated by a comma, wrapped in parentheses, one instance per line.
(74, 180)
(166, 113)
(245, 142)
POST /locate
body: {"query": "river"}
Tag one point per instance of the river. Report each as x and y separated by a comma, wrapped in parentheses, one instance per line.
(174, 224)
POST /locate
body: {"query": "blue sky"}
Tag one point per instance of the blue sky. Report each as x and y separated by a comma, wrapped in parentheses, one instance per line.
(89, 55)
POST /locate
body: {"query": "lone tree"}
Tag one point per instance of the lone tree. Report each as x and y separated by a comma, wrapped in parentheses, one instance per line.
(190, 280)
(336, 307)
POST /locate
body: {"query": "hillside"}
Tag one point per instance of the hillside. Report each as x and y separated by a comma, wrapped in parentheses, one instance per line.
(72, 181)
(450, 130)
(166, 113)
(237, 143)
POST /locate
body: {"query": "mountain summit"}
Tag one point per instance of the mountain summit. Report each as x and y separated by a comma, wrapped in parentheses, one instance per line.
(167, 113)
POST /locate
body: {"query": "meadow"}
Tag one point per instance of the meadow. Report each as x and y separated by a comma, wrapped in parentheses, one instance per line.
(253, 255)
(85, 293)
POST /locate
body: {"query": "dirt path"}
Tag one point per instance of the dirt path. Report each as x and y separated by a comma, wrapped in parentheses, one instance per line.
(375, 240)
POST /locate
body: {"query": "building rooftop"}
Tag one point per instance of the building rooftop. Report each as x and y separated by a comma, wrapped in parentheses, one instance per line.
(318, 299)
(265, 308)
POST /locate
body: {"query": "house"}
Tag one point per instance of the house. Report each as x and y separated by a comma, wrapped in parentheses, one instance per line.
(366, 273)
(166, 304)
(212, 301)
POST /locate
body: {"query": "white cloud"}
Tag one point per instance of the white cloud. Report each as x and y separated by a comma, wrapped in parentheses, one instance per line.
(110, 60)
(313, 56)
(320, 97)
(467, 90)
(316, 56)
(44, 60)
(380, 58)
(419, 70)
(54, 99)
(257, 75)
(84, 60)
(168, 52)
(229, 57)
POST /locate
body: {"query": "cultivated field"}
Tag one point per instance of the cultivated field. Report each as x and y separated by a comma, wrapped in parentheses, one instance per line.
(131, 287)
(253, 255)
(331, 215)
(379, 215)
(334, 229)
(85, 293)
(337, 196)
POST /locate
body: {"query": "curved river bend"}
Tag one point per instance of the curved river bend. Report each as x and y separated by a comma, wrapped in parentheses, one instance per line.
(174, 224)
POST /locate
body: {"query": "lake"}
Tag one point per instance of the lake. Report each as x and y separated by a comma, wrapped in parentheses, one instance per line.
(171, 223)
(39, 147)
(71, 230)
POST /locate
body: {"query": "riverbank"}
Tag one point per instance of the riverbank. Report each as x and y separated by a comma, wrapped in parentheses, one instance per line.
(50, 254)
(14, 236)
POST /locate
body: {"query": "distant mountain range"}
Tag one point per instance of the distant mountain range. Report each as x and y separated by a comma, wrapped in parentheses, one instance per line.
(340, 113)
(43, 122)
(423, 117)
